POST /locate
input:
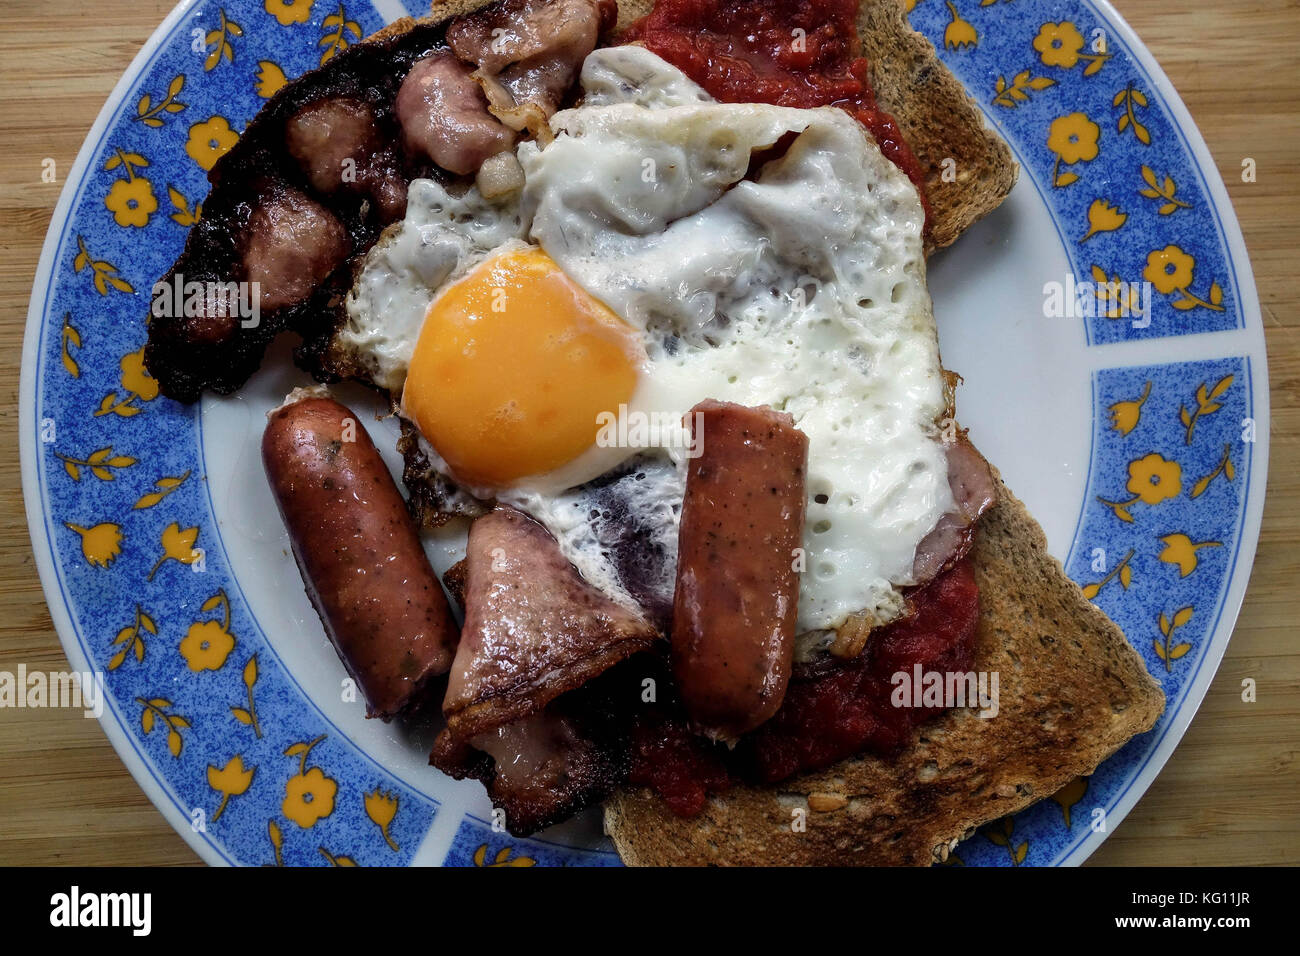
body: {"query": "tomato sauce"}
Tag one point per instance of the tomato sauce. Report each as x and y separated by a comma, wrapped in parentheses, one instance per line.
(844, 711)
(682, 768)
(800, 53)
(850, 710)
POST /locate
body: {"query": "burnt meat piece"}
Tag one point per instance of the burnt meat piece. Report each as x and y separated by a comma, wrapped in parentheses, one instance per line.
(297, 147)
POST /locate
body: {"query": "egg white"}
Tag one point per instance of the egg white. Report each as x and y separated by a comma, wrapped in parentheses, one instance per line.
(800, 285)
(442, 237)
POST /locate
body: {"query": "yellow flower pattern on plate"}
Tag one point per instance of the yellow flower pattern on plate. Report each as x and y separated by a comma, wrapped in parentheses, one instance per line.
(338, 34)
(207, 644)
(1157, 477)
(184, 214)
(100, 544)
(289, 12)
(1002, 833)
(1011, 95)
(1131, 99)
(1167, 648)
(309, 794)
(1124, 416)
(960, 33)
(1119, 299)
(130, 640)
(1165, 189)
(130, 200)
(221, 42)
(138, 384)
(209, 141)
(1171, 271)
(232, 780)
(381, 807)
(103, 274)
(1068, 797)
(503, 857)
(270, 79)
(1181, 550)
(1122, 571)
(157, 712)
(1225, 468)
(1061, 45)
(177, 545)
(248, 715)
(1154, 479)
(1103, 217)
(69, 338)
(1073, 138)
(153, 114)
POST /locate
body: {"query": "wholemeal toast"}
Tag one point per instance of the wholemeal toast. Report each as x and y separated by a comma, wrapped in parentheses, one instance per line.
(1072, 692)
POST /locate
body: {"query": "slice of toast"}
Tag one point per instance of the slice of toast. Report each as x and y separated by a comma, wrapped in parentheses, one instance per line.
(1072, 691)
(938, 118)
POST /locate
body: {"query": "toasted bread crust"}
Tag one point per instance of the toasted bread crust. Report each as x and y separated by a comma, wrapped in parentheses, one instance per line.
(939, 120)
(1072, 692)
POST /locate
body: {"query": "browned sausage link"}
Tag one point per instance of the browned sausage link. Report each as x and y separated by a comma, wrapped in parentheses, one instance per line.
(359, 553)
(337, 144)
(737, 597)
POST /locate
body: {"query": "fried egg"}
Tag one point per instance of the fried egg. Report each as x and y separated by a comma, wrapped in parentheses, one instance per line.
(513, 366)
(666, 248)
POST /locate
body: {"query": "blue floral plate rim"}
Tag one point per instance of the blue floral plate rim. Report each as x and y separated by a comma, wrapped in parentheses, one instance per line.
(1246, 336)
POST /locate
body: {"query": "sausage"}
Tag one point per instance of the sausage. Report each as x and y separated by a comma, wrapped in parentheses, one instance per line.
(325, 134)
(737, 595)
(359, 553)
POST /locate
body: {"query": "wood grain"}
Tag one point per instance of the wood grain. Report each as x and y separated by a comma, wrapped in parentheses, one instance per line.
(1229, 794)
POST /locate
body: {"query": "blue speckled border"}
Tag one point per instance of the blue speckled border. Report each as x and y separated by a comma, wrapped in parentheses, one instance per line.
(1092, 106)
(477, 844)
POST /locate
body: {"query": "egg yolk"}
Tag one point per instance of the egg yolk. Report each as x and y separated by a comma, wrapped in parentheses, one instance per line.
(513, 365)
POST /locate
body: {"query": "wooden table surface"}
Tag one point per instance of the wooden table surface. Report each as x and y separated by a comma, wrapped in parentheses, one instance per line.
(1228, 795)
